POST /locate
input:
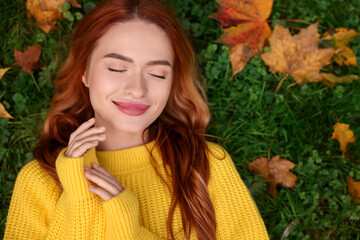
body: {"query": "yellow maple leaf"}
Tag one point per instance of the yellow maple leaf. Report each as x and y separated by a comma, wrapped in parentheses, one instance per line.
(330, 79)
(46, 12)
(298, 55)
(338, 39)
(3, 112)
(3, 71)
(344, 135)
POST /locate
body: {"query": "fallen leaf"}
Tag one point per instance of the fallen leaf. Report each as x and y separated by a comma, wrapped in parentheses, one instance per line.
(344, 135)
(3, 71)
(3, 112)
(276, 171)
(338, 39)
(330, 79)
(46, 12)
(298, 55)
(28, 60)
(247, 30)
(353, 189)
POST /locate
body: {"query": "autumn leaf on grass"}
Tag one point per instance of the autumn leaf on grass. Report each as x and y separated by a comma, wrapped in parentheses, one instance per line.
(46, 12)
(338, 39)
(330, 79)
(353, 189)
(3, 112)
(298, 55)
(3, 71)
(276, 171)
(28, 60)
(344, 135)
(247, 30)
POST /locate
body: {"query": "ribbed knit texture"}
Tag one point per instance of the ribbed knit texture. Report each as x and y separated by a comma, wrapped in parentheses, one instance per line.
(40, 210)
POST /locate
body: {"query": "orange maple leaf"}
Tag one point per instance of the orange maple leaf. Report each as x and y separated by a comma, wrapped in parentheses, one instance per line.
(353, 189)
(27, 60)
(247, 30)
(276, 171)
(298, 55)
(344, 135)
(338, 39)
(46, 12)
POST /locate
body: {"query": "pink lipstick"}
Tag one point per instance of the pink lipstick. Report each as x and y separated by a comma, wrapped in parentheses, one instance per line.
(130, 108)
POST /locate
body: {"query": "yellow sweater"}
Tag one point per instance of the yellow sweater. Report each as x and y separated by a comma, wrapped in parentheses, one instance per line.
(39, 210)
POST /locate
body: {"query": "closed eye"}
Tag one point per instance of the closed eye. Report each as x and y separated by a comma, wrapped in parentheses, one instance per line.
(115, 70)
(162, 77)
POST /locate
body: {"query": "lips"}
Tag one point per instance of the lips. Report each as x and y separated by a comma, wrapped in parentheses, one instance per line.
(130, 108)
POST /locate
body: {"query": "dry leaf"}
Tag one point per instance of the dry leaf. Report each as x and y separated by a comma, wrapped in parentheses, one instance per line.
(28, 60)
(3, 112)
(338, 39)
(344, 135)
(46, 12)
(3, 71)
(353, 189)
(276, 171)
(247, 30)
(298, 55)
(330, 79)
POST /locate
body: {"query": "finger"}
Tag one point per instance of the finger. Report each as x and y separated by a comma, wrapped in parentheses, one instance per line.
(106, 175)
(83, 135)
(102, 182)
(82, 127)
(87, 133)
(80, 143)
(78, 152)
(102, 170)
(101, 192)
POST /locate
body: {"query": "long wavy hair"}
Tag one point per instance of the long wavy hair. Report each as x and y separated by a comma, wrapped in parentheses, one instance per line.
(179, 131)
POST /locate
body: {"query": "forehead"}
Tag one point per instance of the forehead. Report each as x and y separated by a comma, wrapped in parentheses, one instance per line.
(137, 39)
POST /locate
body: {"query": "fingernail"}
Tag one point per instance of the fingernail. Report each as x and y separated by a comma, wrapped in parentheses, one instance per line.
(91, 119)
(102, 128)
(95, 165)
(86, 168)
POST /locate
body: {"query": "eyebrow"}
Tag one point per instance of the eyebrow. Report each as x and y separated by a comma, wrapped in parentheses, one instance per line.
(127, 59)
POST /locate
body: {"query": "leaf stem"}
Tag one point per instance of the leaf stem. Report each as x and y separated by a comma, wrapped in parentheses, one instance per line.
(282, 80)
(270, 149)
(335, 116)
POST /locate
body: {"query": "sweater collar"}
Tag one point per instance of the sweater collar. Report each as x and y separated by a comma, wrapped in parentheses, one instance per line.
(129, 159)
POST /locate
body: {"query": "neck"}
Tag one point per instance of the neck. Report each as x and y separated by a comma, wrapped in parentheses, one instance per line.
(116, 140)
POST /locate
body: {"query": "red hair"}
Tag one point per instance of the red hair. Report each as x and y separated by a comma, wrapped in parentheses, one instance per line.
(179, 130)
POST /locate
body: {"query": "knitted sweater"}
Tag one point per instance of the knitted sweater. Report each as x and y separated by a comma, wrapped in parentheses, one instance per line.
(40, 210)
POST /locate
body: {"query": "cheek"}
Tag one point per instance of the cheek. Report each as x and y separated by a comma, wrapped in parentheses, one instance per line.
(161, 93)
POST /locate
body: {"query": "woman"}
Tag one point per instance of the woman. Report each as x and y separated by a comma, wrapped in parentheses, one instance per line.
(122, 154)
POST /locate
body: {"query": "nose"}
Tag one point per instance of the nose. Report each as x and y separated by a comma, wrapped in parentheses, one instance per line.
(136, 86)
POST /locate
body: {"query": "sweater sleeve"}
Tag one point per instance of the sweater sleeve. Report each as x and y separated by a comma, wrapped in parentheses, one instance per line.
(33, 201)
(121, 212)
(122, 218)
(236, 214)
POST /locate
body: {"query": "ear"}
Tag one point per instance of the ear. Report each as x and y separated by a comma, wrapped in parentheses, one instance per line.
(84, 80)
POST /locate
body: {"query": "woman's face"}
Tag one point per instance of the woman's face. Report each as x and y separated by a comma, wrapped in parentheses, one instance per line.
(129, 76)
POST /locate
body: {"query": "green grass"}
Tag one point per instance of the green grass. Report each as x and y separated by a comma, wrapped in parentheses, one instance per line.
(245, 111)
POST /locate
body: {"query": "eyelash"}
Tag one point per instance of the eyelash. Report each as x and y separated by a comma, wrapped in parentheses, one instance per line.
(116, 70)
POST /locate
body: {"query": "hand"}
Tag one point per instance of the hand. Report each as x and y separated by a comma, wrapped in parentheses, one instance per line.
(108, 185)
(84, 138)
